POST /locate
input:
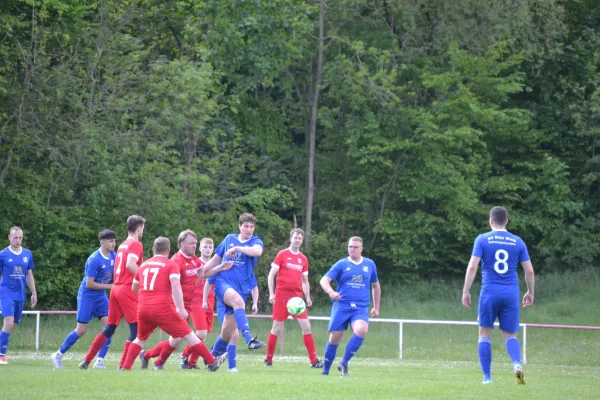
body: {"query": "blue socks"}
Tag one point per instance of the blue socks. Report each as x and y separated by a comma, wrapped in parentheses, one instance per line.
(70, 340)
(104, 349)
(219, 347)
(351, 348)
(514, 349)
(231, 356)
(485, 355)
(4, 338)
(242, 323)
(329, 356)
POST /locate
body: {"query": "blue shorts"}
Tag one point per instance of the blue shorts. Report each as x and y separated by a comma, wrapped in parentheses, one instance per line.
(343, 314)
(506, 310)
(90, 308)
(222, 308)
(12, 308)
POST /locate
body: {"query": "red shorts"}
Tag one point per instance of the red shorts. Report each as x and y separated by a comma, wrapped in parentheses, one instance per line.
(166, 319)
(122, 303)
(280, 312)
(202, 319)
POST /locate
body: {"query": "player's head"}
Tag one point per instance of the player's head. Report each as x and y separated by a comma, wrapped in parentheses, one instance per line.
(355, 247)
(296, 238)
(107, 240)
(15, 237)
(498, 217)
(187, 242)
(161, 247)
(247, 223)
(206, 246)
(135, 226)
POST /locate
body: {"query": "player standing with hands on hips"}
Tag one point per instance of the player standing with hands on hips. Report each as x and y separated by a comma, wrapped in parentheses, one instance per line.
(499, 252)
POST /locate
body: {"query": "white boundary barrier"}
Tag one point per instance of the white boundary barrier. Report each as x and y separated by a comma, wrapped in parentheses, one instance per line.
(400, 323)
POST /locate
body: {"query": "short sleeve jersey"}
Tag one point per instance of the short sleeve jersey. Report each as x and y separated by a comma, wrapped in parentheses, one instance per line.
(500, 252)
(354, 280)
(241, 273)
(189, 274)
(129, 247)
(13, 270)
(101, 269)
(290, 268)
(154, 278)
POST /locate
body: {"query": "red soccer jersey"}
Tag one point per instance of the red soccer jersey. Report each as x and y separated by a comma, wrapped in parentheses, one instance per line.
(200, 289)
(122, 275)
(291, 268)
(154, 278)
(189, 274)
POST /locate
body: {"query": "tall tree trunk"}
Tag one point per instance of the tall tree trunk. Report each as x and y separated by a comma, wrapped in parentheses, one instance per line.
(314, 104)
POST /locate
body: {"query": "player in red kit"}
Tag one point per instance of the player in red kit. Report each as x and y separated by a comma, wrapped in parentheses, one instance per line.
(161, 304)
(122, 302)
(189, 264)
(291, 268)
(203, 319)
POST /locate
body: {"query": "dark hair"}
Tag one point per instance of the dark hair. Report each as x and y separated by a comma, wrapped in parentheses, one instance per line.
(161, 245)
(499, 216)
(247, 217)
(107, 234)
(134, 222)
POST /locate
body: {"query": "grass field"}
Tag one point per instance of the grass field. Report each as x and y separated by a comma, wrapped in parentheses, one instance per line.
(439, 361)
(291, 378)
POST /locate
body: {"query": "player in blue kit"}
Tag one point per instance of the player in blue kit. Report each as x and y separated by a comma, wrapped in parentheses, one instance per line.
(354, 276)
(92, 301)
(16, 270)
(499, 252)
(233, 286)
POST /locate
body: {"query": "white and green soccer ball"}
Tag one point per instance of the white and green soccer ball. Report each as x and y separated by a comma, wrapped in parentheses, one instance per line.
(296, 306)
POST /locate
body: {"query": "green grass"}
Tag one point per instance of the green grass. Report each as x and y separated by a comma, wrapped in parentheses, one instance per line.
(291, 378)
(439, 361)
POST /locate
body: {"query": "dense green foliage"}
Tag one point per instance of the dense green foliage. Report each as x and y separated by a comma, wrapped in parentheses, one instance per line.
(190, 112)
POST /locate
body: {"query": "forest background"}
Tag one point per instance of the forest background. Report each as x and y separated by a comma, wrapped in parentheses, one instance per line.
(401, 121)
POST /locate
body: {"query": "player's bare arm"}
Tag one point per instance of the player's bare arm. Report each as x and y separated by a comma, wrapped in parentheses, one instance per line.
(254, 251)
(306, 290)
(214, 262)
(219, 268)
(205, 294)
(376, 290)
(254, 299)
(530, 280)
(135, 286)
(469, 278)
(131, 265)
(326, 285)
(90, 284)
(31, 285)
(177, 294)
(271, 282)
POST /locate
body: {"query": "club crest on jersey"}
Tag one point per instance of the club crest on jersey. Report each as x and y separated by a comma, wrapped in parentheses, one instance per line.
(25, 259)
(299, 260)
(366, 269)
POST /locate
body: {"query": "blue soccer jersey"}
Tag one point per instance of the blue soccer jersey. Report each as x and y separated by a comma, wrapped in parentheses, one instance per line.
(100, 268)
(242, 272)
(500, 252)
(14, 268)
(354, 280)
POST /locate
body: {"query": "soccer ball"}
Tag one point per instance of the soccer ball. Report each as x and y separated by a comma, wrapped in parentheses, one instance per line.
(296, 306)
